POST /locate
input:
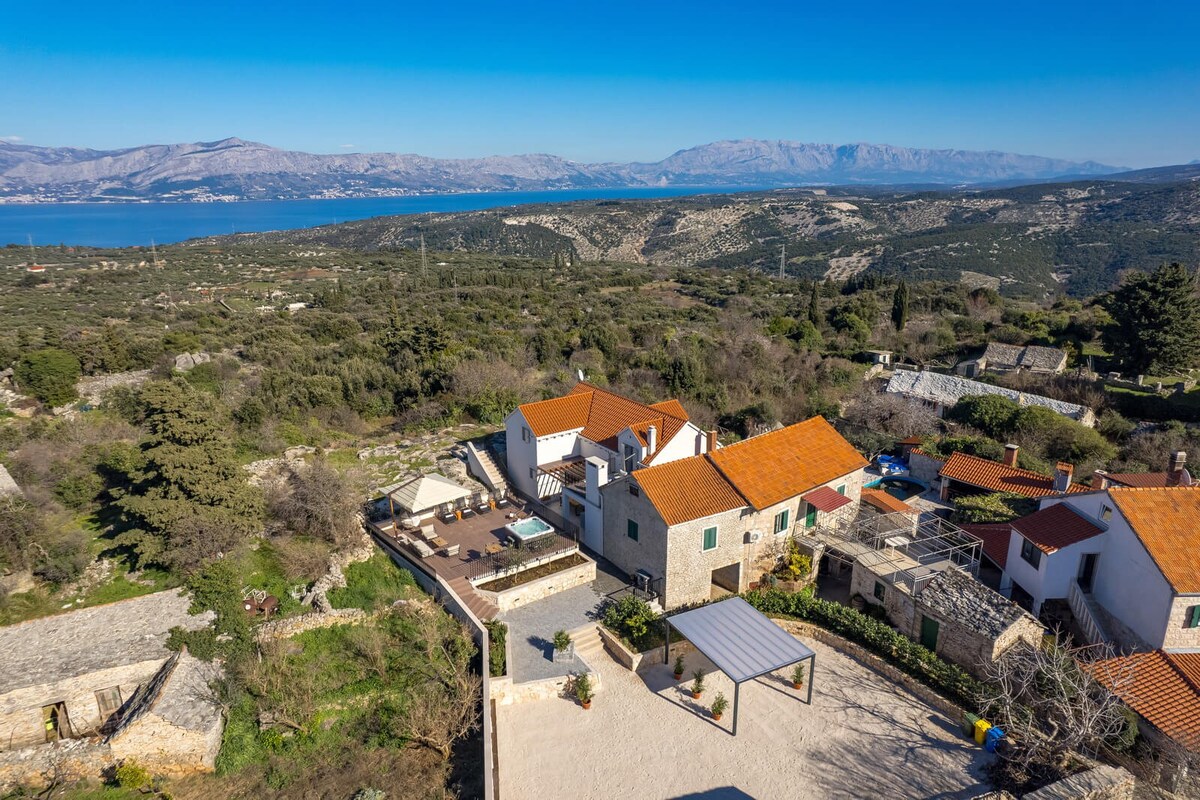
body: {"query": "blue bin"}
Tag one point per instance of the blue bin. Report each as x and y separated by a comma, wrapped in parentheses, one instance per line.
(992, 738)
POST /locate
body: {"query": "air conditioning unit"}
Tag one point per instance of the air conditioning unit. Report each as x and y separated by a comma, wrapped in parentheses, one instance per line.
(752, 537)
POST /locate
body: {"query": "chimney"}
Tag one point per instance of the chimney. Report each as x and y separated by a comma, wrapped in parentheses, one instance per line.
(1010, 455)
(1100, 479)
(1175, 467)
(651, 439)
(1062, 476)
(596, 476)
(711, 442)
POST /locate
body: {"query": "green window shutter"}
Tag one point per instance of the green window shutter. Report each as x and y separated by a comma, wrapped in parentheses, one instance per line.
(1194, 617)
(710, 538)
(632, 530)
(842, 489)
(810, 519)
(784, 524)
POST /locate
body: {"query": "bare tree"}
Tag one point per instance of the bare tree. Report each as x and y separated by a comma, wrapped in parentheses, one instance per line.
(318, 501)
(891, 414)
(1052, 701)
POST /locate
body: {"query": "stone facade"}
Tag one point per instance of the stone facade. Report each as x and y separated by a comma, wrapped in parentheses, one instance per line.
(677, 553)
(1176, 634)
(541, 588)
(925, 468)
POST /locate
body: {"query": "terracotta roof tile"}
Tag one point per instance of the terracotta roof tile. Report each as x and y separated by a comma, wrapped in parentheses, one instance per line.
(687, 489)
(995, 536)
(772, 467)
(1140, 480)
(602, 415)
(885, 502)
(1055, 527)
(996, 477)
(1164, 688)
(1164, 520)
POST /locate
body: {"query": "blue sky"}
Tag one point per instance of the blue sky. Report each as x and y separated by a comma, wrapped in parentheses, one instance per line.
(1113, 82)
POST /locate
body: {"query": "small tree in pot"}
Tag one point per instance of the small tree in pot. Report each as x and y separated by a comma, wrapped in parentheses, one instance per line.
(798, 675)
(678, 668)
(583, 690)
(697, 684)
(562, 644)
(719, 705)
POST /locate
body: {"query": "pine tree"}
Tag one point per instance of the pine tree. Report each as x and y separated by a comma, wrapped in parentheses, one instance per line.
(1156, 321)
(900, 306)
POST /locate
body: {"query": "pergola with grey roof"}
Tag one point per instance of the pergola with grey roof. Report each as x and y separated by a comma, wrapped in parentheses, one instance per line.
(741, 642)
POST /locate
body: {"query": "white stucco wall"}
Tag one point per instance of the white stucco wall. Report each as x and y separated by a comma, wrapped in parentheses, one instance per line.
(1129, 584)
(689, 441)
(521, 453)
(1052, 580)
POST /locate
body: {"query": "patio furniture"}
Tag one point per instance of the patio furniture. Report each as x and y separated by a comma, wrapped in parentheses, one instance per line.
(438, 542)
(492, 549)
(451, 550)
(446, 514)
(502, 502)
(423, 550)
(480, 503)
(428, 533)
(464, 508)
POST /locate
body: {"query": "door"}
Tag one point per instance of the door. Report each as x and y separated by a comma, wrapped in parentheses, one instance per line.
(929, 633)
(1087, 570)
(810, 515)
(55, 719)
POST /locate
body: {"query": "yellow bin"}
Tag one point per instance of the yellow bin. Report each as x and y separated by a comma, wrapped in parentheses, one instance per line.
(981, 729)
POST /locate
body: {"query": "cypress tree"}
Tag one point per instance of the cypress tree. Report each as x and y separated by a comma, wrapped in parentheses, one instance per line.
(900, 306)
(814, 306)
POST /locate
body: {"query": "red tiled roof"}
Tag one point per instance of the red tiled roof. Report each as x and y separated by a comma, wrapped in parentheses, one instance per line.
(1165, 521)
(1164, 688)
(995, 536)
(687, 489)
(775, 466)
(1055, 527)
(996, 477)
(1140, 480)
(885, 502)
(758, 472)
(826, 499)
(602, 415)
(911, 440)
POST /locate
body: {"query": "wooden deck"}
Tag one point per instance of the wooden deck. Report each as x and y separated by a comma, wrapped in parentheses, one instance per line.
(473, 535)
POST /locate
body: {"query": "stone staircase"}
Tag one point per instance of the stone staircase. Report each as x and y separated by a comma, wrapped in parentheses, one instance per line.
(493, 475)
(588, 644)
(480, 607)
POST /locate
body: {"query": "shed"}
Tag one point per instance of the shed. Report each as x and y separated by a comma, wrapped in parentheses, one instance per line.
(741, 642)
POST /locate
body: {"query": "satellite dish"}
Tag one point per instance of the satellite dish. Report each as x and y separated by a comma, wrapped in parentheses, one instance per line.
(1185, 479)
(579, 372)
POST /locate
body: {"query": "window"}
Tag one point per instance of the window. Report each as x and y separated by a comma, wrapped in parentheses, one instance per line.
(1105, 513)
(108, 700)
(781, 521)
(878, 591)
(710, 538)
(1031, 553)
(631, 530)
(524, 434)
(634, 490)
(1191, 618)
(532, 474)
(842, 489)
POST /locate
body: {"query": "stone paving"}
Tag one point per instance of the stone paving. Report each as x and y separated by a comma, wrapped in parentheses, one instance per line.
(531, 628)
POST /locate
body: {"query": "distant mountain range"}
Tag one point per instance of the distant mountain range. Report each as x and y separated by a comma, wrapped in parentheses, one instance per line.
(234, 169)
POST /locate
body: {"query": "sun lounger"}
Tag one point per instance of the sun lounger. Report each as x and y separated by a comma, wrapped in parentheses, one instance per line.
(452, 549)
(428, 533)
(423, 550)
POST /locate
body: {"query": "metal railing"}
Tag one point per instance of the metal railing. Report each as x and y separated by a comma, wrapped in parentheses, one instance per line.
(518, 558)
(1085, 615)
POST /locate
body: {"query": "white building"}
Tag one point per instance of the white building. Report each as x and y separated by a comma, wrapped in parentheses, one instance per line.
(589, 436)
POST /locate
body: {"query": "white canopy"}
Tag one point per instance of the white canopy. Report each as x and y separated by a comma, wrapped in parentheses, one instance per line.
(427, 492)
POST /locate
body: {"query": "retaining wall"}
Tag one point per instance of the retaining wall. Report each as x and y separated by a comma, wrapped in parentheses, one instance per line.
(542, 588)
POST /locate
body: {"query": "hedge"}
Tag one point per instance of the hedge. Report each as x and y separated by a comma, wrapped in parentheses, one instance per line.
(948, 679)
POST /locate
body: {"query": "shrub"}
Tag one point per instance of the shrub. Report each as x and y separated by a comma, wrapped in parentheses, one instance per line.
(131, 775)
(719, 705)
(562, 640)
(497, 636)
(583, 687)
(992, 507)
(910, 657)
(632, 619)
(49, 375)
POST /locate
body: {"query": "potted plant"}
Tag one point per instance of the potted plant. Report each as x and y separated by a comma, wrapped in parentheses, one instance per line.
(562, 646)
(583, 690)
(719, 705)
(697, 684)
(798, 673)
(678, 668)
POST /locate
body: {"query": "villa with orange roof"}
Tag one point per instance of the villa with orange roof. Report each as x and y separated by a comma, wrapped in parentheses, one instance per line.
(572, 445)
(711, 520)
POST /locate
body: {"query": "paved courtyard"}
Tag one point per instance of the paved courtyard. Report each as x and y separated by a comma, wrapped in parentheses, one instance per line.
(645, 737)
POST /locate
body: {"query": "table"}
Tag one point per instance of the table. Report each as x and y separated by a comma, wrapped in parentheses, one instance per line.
(438, 541)
(492, 549)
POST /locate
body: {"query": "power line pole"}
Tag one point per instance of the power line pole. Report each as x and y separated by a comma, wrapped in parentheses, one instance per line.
(782, 259)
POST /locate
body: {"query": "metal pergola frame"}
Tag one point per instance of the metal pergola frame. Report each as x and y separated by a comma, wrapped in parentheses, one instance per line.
(743, 677)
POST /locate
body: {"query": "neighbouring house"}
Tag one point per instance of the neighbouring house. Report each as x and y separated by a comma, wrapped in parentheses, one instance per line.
(1162, 687)
(559, 447)
(1003, 358)
(1176, 474)
(719, 518)
(939, 392)
(1124, 561)
(964, 474)
(102, 681)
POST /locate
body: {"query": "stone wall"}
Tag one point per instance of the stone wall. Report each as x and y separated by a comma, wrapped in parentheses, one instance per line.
(167, 749)
(21, 722)
(66, 761)
(925, 467)
(624, 656)
(290, 626)
(1101, 782)
(541, 588)
(1176, 634)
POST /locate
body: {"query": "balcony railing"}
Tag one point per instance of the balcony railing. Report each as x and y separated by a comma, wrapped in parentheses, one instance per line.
(1085, 615)
(520, 557)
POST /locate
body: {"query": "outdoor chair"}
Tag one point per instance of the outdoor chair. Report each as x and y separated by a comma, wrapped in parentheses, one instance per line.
(464, 508)
(447, 515)
(502, 502)
(480, 503)
(451, 549)
(428, 533)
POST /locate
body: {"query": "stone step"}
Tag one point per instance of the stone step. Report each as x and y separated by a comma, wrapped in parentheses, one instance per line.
(484, 609)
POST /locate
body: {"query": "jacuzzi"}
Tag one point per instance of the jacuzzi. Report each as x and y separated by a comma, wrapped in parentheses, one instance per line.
(529, 528)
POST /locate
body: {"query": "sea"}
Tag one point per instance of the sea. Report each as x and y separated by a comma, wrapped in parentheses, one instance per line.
(131, 224)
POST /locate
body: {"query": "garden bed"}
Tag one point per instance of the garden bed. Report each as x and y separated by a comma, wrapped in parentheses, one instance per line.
(532, 574)
(536, 583)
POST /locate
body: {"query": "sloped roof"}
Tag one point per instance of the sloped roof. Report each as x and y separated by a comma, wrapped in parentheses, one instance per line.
(1056, 527)
(1165, 519)
(739, 639)
(687, 489)
(601, 415)
(957, 596)
(772, 467)
(758, 472)
(995, 477)
(885, 502)
(1164, 688)
(1140, 480)
(995, 537)
(428, 491)
(1029, 357)
(949, 389)
(826, 499)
